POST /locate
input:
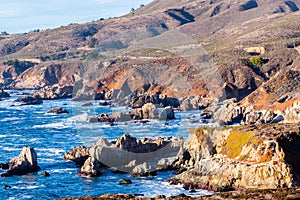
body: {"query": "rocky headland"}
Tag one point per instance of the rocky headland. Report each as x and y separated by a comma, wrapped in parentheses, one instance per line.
(241, 69)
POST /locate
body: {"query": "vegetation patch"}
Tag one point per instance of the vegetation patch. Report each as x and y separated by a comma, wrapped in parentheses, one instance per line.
(257, 61)
(235, 141)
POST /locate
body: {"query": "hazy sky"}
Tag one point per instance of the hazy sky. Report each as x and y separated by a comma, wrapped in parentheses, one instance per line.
(18, 16)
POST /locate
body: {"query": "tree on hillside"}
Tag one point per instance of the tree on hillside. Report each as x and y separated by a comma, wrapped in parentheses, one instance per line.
(4, 33)
(91, 41)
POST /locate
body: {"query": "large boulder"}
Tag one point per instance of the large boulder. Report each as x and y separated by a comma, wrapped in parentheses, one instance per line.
(25, 163)
(227, 113)
(91, 168)
(149, 111)
(167, 113)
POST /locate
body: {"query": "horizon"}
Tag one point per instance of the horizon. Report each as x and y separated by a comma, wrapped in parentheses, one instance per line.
(18, 16)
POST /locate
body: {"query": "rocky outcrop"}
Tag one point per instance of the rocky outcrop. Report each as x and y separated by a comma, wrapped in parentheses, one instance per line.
(58, 111)
(148, 111)
(229, 112)
(78, 155)
(29, 100)
(102, 118)
(25, 163)
(189, 104)
(138, 100)
(226, 158)
(54, 92)
(139, 157)
(167, 113)
(292, 114)
(91, 168)
(291, 193)
(62, 73)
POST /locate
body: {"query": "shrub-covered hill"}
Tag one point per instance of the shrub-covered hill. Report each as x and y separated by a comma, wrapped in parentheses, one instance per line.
(209, 44)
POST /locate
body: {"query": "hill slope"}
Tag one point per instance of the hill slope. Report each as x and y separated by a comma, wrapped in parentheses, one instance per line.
(205, 45)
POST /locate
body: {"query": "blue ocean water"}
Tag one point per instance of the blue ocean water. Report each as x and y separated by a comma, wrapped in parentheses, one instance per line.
(52, 135)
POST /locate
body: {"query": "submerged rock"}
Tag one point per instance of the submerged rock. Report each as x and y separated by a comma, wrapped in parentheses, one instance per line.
(25, 163)
(58, 111)
(29, 100)
(7, 187)
(46, 174)
(125, 182)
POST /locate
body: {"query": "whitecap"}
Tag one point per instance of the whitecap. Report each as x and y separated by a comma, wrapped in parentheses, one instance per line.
(58, 125)
(28, 187)
(9, 119)
(53, 151)
(10, 149)
(63, 170)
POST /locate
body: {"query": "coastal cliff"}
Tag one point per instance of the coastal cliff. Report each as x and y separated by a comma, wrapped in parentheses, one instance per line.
(243, 157)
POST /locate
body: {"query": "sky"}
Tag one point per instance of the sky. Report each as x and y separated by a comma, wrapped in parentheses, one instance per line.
(20, 16)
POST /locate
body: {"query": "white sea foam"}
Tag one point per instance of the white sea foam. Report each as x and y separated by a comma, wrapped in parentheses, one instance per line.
(29, 187)
(58, 125)
(48, 160)
(78, 118)
(51, 151)
(11, 149)
(63, 170)
(9, 119)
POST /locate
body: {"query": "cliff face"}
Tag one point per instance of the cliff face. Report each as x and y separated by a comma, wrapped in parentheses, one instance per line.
(257, 156)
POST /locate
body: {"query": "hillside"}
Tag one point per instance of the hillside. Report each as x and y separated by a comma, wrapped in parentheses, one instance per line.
(181, 48)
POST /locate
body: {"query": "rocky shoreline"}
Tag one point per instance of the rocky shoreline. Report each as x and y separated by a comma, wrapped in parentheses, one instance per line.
(258, 158)
(288, 193)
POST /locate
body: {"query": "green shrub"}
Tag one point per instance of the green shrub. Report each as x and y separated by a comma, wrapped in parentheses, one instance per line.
(257, 61)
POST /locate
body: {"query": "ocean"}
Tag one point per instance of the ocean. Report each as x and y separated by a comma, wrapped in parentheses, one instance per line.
(52, 135)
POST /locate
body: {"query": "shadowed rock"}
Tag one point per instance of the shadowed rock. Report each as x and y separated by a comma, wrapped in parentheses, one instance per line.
(58, 111)
(29, 100)
(25, 163)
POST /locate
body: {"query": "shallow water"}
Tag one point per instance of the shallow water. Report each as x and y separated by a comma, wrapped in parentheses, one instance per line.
(52, 135)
